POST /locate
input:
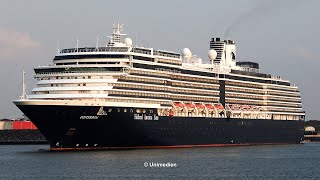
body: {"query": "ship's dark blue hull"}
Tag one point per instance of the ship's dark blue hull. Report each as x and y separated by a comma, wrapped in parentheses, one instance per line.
(95, 127)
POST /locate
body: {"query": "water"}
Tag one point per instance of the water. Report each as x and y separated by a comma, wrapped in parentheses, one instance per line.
(252, 162)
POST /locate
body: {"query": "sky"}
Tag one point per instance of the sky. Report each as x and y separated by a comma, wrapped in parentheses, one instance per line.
(283, 36)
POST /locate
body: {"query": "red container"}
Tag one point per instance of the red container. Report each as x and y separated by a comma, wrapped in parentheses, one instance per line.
(18, 125)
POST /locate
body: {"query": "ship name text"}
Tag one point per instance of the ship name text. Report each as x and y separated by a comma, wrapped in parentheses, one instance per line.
(89, 117)
(145, 117)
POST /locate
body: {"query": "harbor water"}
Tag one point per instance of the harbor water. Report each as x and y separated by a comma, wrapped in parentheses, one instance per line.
(300, 161)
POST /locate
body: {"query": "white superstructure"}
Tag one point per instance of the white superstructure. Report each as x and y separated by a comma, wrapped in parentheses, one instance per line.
(121, 74)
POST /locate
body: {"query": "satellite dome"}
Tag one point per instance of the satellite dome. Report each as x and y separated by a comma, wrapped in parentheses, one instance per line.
(212, 54)
(186, 52)
(127, 41)
(310, 128)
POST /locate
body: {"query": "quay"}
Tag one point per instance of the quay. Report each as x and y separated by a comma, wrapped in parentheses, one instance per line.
(312, 138)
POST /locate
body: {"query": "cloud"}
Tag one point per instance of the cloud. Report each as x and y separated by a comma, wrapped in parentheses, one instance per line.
(16, 44)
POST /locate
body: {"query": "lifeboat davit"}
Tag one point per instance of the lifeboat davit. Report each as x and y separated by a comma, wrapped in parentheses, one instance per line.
(171, 113)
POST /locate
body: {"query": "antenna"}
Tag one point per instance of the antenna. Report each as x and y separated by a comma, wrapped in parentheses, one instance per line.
(24, 94)
(77, 44)
(136, 39)
(97, 45)
(58, 50)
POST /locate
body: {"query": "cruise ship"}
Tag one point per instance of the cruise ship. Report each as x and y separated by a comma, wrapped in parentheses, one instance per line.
(121, 96)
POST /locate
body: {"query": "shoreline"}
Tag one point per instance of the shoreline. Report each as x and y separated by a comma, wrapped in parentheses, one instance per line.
(28, 136)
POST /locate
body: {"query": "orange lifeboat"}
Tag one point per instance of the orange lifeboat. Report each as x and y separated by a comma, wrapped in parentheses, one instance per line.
(245, 107)
(210, 107)
(200, 106)
(219, 106)
(178, 105)
(255, 108)
(235, 107)
(189, 106)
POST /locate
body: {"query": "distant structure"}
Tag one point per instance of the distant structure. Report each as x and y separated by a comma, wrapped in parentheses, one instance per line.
(309, 130)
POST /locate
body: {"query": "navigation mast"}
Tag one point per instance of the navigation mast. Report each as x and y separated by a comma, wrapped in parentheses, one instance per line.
(24, 94)
(116, 35)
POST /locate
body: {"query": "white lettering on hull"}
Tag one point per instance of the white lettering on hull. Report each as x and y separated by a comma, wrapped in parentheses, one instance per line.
(137, 117)
(145, 117)
(89, 117)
